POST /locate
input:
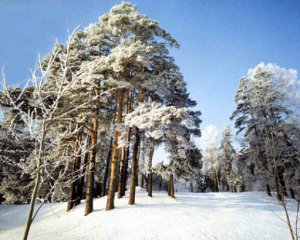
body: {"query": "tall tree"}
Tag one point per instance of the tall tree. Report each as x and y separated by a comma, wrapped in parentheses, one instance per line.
(264, 117)
(226, 156)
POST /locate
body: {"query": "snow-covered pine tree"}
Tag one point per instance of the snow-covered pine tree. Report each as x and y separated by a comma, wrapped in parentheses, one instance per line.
(133, 38)
(264, 116)
(16, 145)
(211, 160)
(174, 126)
(226, 158)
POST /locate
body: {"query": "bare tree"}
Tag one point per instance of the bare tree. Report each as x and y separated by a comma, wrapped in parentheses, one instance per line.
(44, 115)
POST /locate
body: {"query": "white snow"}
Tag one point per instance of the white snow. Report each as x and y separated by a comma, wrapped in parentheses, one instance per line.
(248, 215)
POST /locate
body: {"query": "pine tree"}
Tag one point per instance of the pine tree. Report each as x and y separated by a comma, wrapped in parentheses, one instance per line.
(264, 117)
(226, 156)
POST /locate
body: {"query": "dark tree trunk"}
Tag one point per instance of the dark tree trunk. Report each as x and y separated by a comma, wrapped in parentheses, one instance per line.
(279, 183)
(134, 167)
(121, 173)
(149, 185)
(268, 189)
(171, 187)
(150, 182)
(97, 190)
(121, 170)
(128, 134)
(160, 183)
(75, 173)
(82, 173)
(191, 186)
(114, 161)
(104, 191)
(142, 180)
(216, 183)
(137, 165)
(125, 170)
(90, 179)
(292, 193)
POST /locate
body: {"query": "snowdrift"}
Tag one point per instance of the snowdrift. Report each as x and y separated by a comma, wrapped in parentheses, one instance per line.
(248, 215)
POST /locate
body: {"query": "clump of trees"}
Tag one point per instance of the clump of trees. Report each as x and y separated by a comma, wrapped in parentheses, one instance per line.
(220, 170)
(76, 129)
(265, 117)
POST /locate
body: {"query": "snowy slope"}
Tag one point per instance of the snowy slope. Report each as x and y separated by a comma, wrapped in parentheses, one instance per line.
(249, 215)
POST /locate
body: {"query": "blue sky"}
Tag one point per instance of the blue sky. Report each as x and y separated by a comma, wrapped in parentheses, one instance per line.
(219, 40)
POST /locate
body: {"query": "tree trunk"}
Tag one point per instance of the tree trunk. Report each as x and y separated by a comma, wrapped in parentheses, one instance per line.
(134, 167)
(292, 193)
(149, 185)
(83, 171)
(160, 183)
(75, 173)
(114, 161)
(103, 192)
(91, 168)
(142, 180)
(279, 183)
(124, 155)
(191, 186)
(137, 165)
(216, 182)
(268, 189)
(150, 182)
(121, 170)
(171, 187)
(36, 183)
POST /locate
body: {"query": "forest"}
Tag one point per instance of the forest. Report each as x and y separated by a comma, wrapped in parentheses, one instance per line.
(88, 122)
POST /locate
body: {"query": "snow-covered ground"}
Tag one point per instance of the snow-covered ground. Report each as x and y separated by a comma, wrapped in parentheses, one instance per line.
(249, 215)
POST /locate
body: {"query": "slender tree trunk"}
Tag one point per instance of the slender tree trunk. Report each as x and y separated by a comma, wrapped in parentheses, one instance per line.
(292, 193)
(75, 172)
(160, 183)
(150, 182)
(121, 170)
(128, 135)
(277, 184)
(114, 162)
(138, 165)
(91, 166)
(284, 205)
(171, 186)
(83, 171)
(78, 178)
(108, 160)
(124, 159)
(149, 185)
(103, 192)
(268, 189)
(216, 182)
(125, 169)
(134, 167)
(142, 180)
(36, 183)
(191, 186)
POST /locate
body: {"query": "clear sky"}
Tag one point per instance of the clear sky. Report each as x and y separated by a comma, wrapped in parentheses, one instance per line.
(219, 40)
